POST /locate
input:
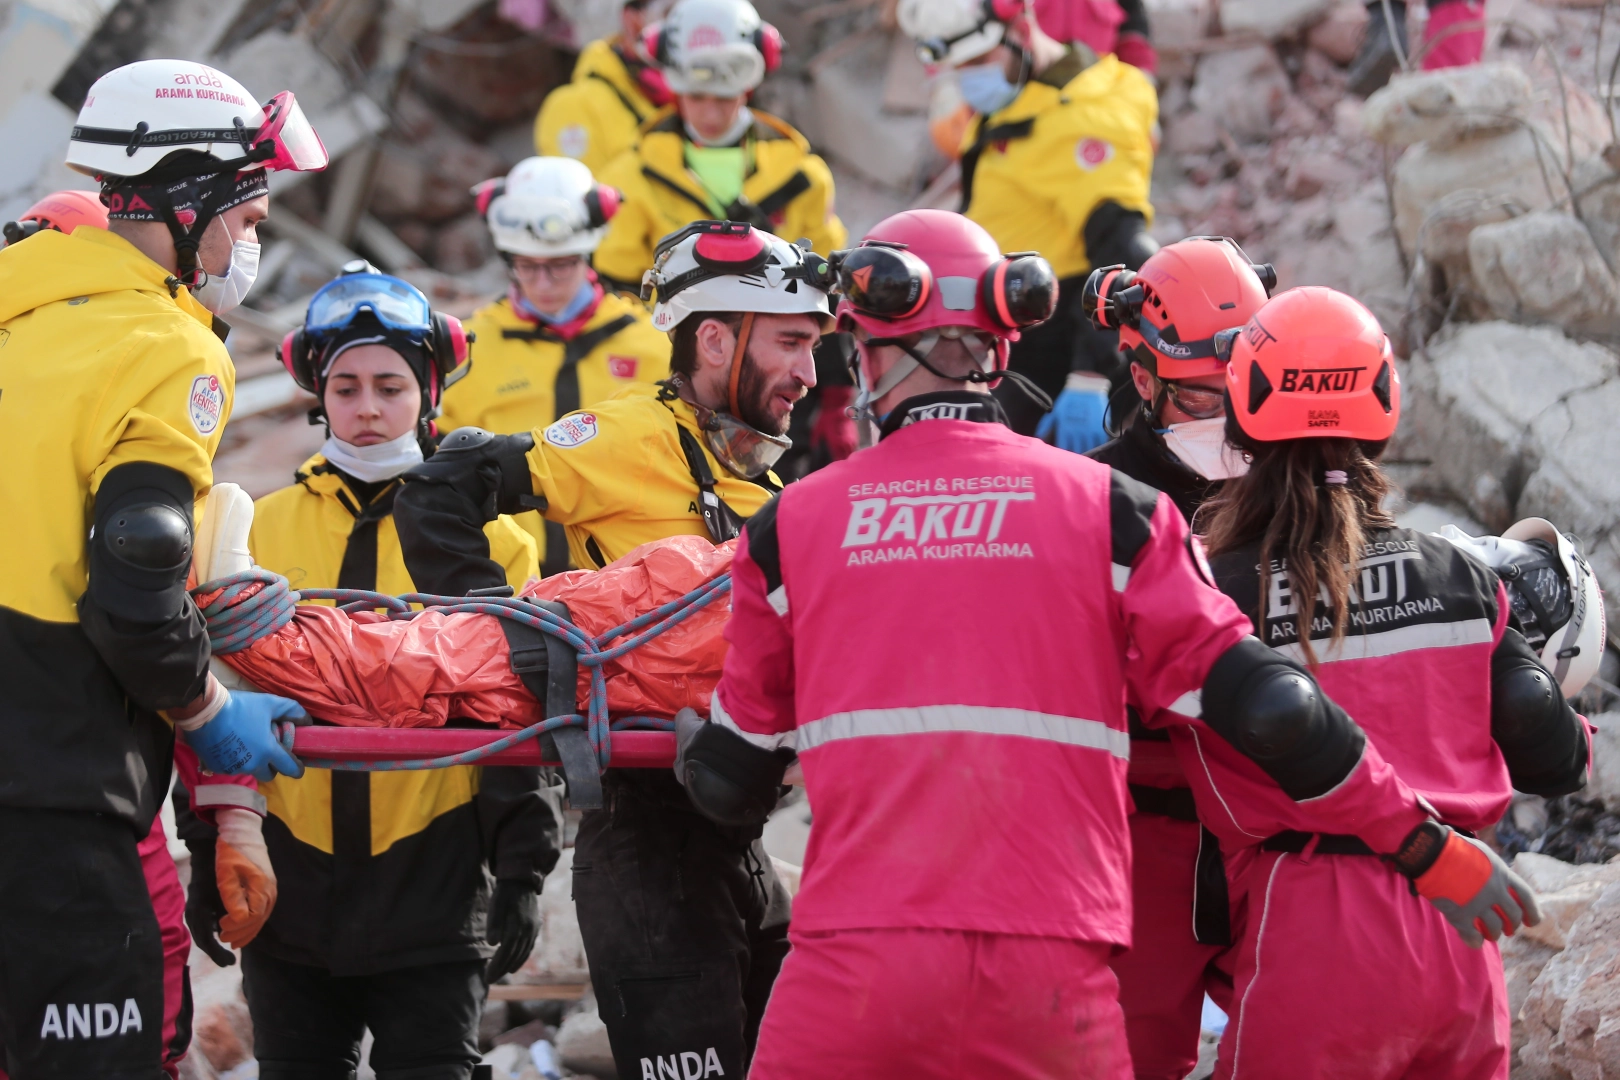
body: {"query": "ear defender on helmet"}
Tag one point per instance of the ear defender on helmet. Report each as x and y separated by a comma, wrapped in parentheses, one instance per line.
(295, 358)
(884, 280)
(486, 192)
(601, 203)
(656, 43)
(451, 348)
(1020, 290)
(1111, 298)
(1267, 274)
(768, 40)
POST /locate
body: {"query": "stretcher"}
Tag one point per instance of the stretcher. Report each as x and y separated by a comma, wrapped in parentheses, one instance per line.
(581, 669)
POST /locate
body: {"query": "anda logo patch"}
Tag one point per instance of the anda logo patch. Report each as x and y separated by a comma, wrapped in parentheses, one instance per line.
(1329, 381)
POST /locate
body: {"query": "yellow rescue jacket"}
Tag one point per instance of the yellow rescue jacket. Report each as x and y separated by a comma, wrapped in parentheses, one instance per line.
(598, 114)
(617, 476)
(524, 376)
(384, 870)
(1034, 172)
(100, 366)
(789, 190)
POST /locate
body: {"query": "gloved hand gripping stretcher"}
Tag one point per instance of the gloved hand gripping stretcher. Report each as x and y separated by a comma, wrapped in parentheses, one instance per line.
(589, 665)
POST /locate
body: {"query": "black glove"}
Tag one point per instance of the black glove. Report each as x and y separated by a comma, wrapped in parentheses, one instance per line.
(204, 908)
(490, 471)
(514, 923)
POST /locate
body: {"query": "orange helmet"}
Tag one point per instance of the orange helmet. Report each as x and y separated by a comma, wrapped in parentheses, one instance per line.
(1169, 312)
(1313, 363)
(64, 211)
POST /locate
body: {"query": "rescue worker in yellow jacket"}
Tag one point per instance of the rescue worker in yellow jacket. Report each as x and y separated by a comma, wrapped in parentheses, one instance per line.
(684, 922)
(615, 87)
(710, 155)
(114, 389)
(1058, 162)
(558, 341)
(384, 877)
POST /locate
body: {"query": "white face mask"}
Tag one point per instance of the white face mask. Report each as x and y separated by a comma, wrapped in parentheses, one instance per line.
(1202, 447)
(227, 291)
(377, 462)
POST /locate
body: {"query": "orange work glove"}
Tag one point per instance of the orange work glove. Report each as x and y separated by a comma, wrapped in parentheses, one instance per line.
(1473, 888)
(247, 883)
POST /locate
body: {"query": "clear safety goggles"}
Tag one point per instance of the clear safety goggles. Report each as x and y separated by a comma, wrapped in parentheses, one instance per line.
(394, 303)
(286, 140)
(744, 450)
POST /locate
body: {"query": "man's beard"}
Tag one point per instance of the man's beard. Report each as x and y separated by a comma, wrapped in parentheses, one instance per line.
(754, 395)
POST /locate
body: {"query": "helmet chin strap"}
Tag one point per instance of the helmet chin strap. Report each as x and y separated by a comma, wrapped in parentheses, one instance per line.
(737, 356)
(917, 356)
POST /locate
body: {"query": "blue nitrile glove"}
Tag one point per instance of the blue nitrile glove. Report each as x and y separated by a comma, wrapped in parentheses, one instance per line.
(242, 739)
(1076, 420)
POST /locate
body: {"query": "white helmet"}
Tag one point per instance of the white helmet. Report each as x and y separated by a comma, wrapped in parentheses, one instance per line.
(1553, 592)
(716, 47)
(547, 207)
(139, 114)
(952, 32)
(726, 266)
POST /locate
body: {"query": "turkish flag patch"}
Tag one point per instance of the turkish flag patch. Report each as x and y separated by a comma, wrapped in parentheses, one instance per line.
(622, 367)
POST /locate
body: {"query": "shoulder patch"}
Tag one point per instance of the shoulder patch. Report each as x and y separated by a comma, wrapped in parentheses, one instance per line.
(1091, 152)
(572, 430)
(622, 367)
(574, 140)
(206, 404)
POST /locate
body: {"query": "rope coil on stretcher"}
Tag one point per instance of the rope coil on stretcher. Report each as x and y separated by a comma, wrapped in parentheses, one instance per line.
(235, 623)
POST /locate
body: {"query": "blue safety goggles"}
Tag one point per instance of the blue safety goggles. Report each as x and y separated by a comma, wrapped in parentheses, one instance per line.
(397, 305)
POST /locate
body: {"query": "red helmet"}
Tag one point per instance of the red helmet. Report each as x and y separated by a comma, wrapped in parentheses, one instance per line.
(1169, 312)
(928, 269)
(63, 211)
(1313, 363)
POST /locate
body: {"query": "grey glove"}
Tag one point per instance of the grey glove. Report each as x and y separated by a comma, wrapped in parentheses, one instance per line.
(687, 726)
(1473, 888)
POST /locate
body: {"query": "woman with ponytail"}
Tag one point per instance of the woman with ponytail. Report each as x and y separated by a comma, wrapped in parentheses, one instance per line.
(1412, 636)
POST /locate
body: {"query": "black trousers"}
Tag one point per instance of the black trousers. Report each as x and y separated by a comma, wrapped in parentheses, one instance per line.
(81, 959)
(308, 1023)
(684, 925)
(1045, 354)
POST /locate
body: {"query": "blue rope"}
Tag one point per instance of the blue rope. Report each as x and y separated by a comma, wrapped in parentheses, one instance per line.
(233, 627)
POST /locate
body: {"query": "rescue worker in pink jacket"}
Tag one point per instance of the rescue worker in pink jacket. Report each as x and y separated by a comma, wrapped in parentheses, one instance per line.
(1343, 970)
(944, 629)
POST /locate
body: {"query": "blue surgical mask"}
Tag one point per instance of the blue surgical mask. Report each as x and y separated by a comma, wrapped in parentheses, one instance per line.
(582, 299)
(986, 88)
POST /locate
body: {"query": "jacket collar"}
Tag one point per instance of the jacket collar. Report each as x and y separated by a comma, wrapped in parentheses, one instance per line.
(945, 405)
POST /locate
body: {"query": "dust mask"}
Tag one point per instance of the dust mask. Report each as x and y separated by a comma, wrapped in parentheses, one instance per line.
(226, 291)
(377, 462)
(1201, 446)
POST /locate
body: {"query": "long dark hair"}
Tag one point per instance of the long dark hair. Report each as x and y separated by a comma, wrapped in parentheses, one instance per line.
(1318, 529)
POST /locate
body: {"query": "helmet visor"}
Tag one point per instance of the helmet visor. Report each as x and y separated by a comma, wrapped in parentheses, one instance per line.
(293, 144)
(394, 303)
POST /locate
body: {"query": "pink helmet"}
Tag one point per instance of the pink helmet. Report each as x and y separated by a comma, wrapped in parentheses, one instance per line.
(923, 270)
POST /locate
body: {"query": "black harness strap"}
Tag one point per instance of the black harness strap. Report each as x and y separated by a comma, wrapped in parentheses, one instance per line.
(970, 160)
(759, 214)
(659, 178)
(549, 669)
(624, 100)
(721, 520)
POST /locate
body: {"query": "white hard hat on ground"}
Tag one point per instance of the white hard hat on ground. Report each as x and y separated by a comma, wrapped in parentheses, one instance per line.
(1553, 592)
(547, 207)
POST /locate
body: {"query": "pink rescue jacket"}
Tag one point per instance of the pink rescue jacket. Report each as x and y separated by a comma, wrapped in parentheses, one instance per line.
(946, 627)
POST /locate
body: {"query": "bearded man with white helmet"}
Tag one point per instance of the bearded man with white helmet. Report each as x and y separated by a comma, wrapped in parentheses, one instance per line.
(1060, 162)
(117, 389)
(684, 921)
(558, 341)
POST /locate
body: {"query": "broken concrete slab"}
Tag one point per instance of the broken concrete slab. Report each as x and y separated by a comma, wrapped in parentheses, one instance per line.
(1545, 267)
(1272, 19)
(1571, 1012)
(1243, 90)
(886, 148)
(1515, 164)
